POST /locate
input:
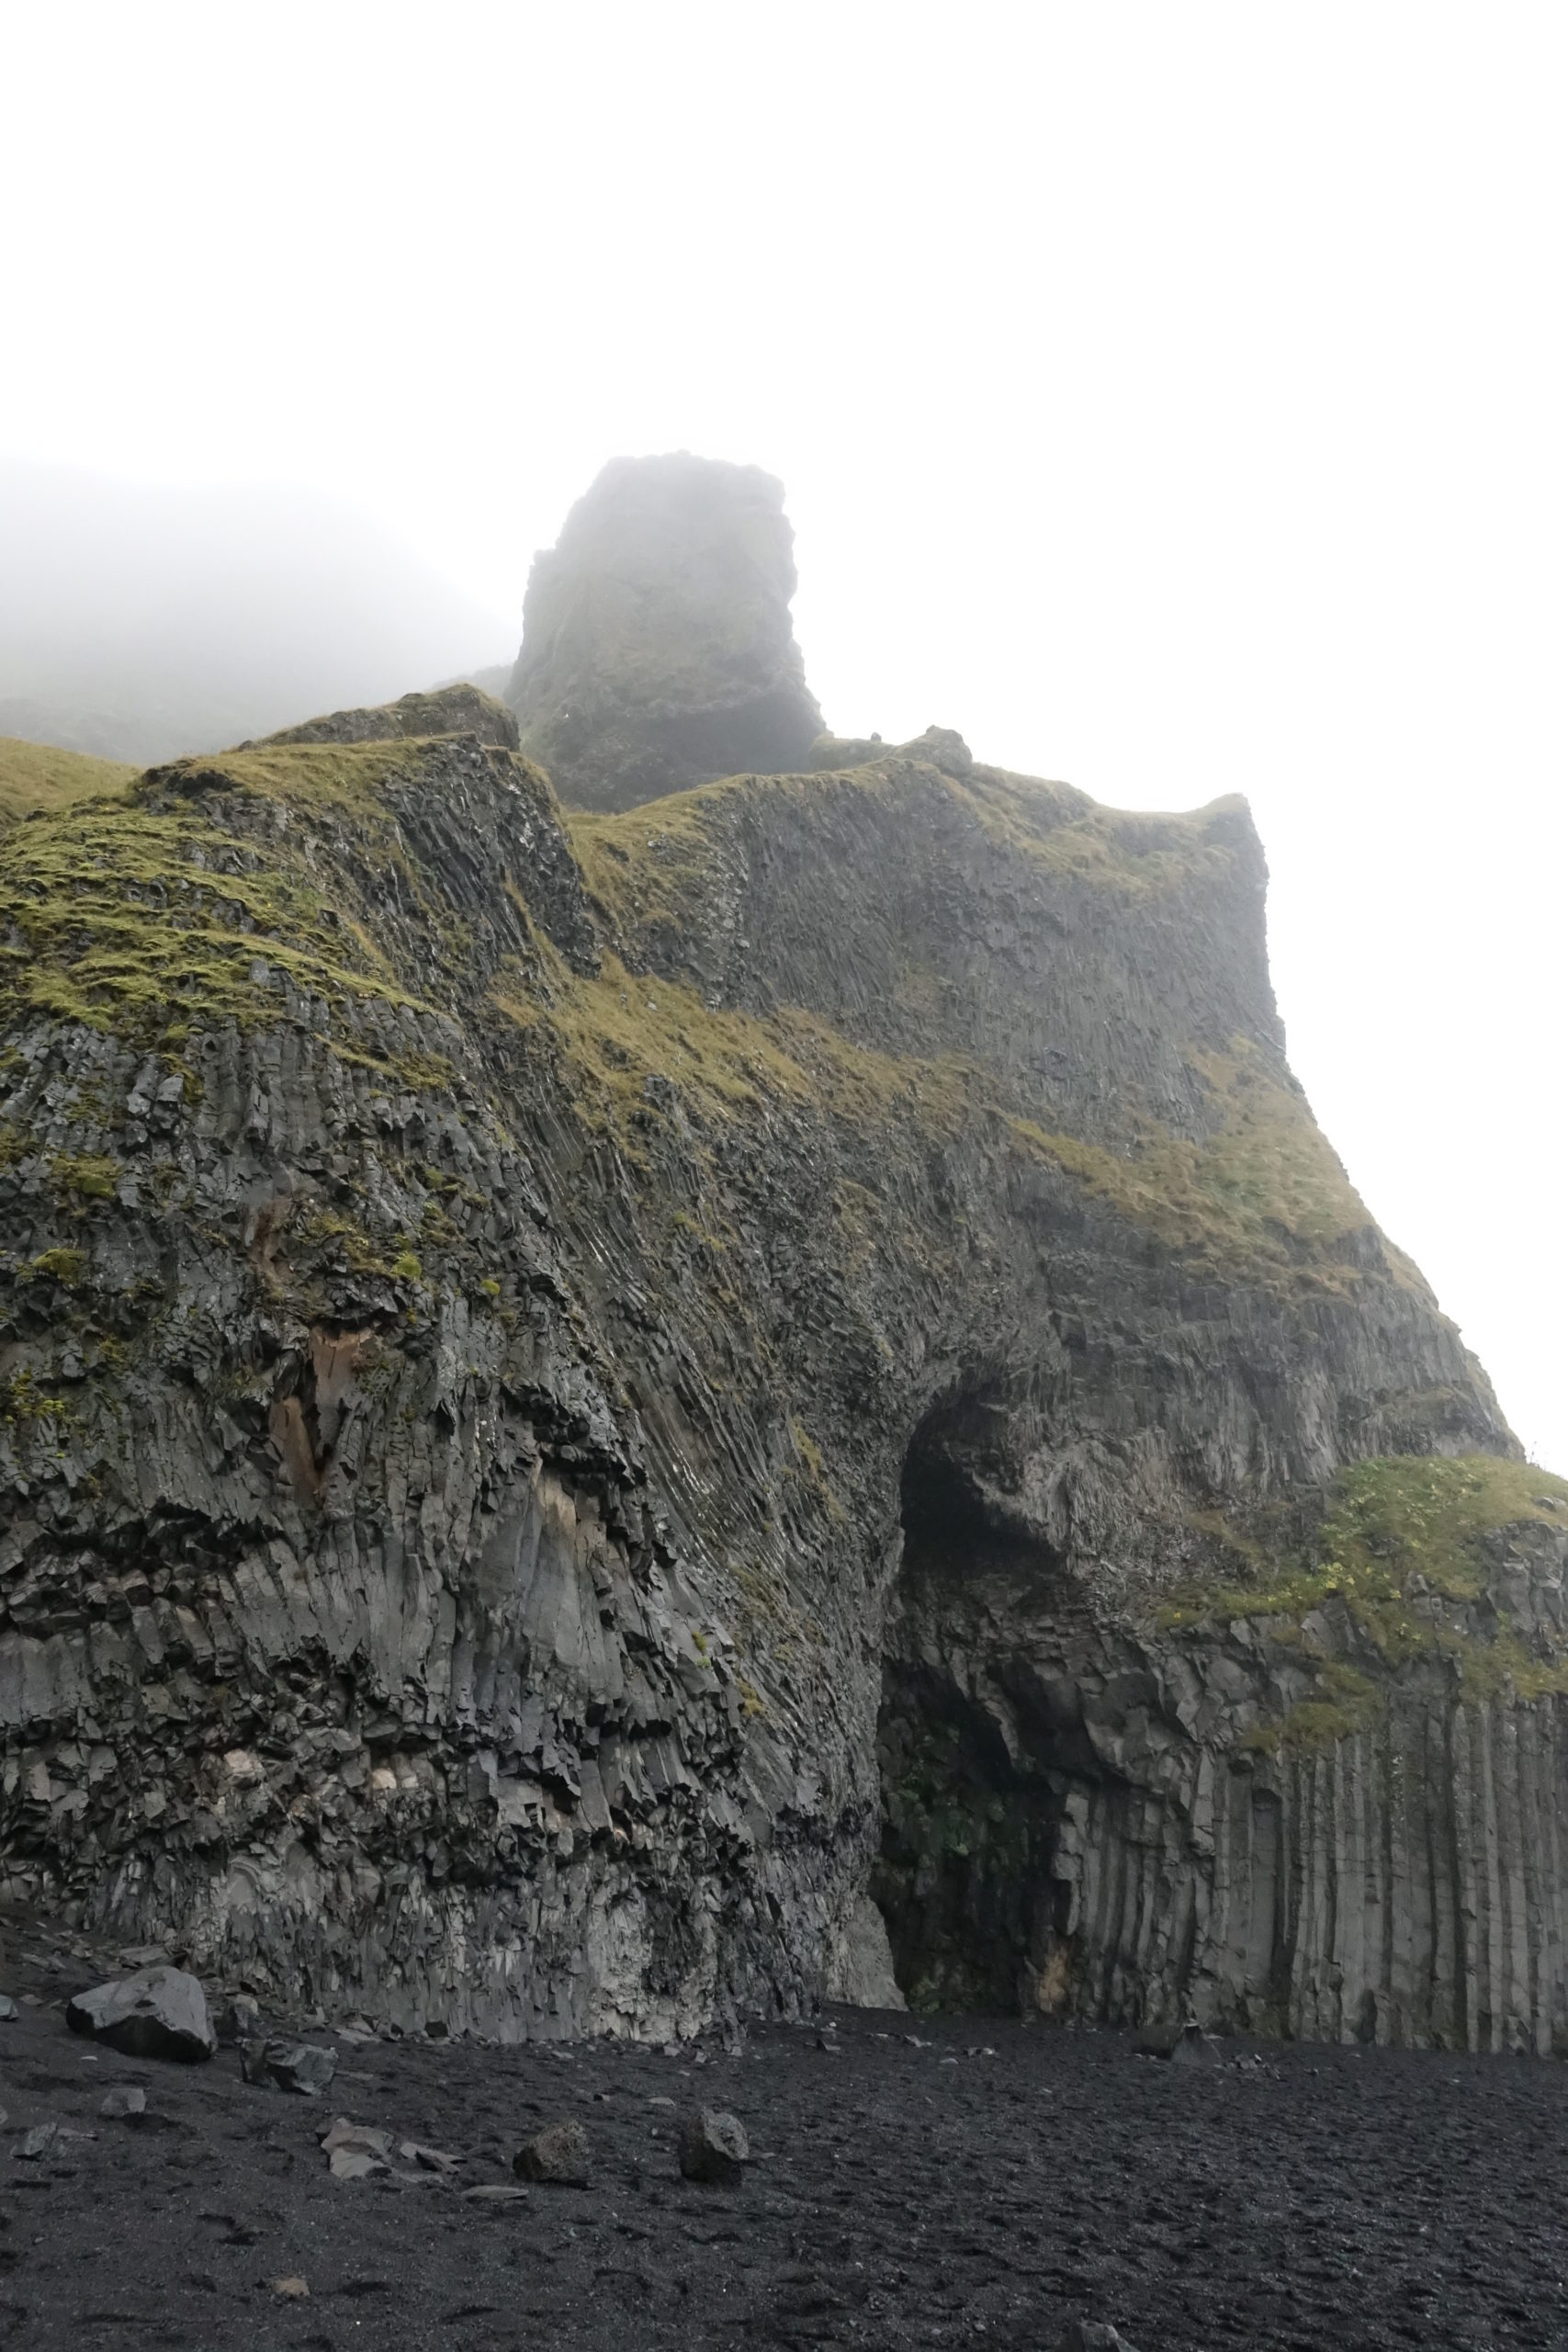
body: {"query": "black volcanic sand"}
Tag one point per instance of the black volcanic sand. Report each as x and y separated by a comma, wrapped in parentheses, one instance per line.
(987, 2186)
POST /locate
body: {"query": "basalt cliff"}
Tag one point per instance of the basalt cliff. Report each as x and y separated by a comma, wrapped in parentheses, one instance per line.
(613, 1418)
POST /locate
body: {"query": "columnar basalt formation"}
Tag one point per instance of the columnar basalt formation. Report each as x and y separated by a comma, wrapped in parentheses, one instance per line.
(579, 1393)
(657, 650)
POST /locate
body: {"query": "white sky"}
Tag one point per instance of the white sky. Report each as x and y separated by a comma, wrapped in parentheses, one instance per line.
(1172, 397)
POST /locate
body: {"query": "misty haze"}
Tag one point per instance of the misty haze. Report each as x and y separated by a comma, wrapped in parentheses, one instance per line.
(138, 623)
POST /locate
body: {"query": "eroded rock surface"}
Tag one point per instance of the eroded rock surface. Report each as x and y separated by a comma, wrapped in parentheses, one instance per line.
(580, 1391)
(657, 650)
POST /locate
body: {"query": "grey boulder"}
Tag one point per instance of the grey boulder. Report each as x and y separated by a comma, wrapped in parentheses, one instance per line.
(279, 2065)
(1181, 2045)
(239, 2020)
(124, 2106)
(558, 2153)
(157, 2013)
(713, 2146)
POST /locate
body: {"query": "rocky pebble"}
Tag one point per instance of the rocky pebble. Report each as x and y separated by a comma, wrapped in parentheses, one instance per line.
(558, 2153)
(713, 2148)
(307, 2067)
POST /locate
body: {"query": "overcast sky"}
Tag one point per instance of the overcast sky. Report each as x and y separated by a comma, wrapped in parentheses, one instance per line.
(1172, 397)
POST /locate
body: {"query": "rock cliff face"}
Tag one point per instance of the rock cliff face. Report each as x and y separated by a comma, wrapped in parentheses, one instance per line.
(658, 650)
(576, 1395)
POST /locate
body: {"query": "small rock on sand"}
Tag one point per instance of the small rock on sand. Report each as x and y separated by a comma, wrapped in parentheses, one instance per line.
(239, 2020)
(355, 2151)
(304, 2067)
(124, 2106)
(1182, 2045)
(558, 2153)
(363, 2139)
(713, 2146)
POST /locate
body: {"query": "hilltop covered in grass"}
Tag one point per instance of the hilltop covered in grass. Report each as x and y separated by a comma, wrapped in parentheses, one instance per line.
(36, 778)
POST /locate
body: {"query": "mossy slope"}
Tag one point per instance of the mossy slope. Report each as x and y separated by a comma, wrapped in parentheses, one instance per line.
(40, 779)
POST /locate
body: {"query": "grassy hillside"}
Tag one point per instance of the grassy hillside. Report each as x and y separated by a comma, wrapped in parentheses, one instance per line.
(38, 776)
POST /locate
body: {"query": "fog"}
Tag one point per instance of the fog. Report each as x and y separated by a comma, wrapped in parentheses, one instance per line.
(1169, 399)
(139, 621)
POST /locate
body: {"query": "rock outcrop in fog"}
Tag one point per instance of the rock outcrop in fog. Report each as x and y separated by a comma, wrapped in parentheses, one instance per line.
(584, 1394)
(658, 650)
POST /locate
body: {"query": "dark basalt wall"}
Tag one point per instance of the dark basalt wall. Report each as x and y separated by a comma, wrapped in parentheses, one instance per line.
(524, 1342)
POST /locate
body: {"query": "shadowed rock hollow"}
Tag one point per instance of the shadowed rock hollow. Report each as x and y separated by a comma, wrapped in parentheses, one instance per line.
(657, 650)
(584, 1394)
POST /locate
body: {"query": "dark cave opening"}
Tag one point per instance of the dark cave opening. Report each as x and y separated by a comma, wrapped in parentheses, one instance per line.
(972, 1771)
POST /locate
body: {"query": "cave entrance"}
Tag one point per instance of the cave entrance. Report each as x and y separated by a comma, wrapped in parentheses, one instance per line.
(975, 1759)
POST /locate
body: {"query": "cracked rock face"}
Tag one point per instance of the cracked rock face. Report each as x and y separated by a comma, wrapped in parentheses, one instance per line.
(657, 650)
(579, 1393)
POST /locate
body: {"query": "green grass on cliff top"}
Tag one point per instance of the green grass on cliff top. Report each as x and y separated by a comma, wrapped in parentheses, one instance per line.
(146, 922)
(1265, 1188)
(658, 863)
(1400, 1531)
(38, 777)
(150, 921)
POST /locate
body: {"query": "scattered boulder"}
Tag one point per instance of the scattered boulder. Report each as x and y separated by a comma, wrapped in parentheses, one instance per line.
(1094, 2335)
(657, 650)
(497, 2192)
(356, 2164)
(292, 2291)
(279, 2065)
(861, 1971)
(356, 2139)
(944, 747)
(428, 2159)
(124, 2106)
(941, 746)
(558, 2153)
(158, 2013)
(9, 2010)
(239, 2020)
(1196, 2047)
(1180, 2045)
(36, 2143)
(713, 2148)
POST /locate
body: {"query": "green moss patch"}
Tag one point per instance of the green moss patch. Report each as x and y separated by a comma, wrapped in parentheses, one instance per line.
(1265, 1192)
(145, 922)
(1402, 1537)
